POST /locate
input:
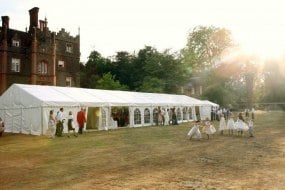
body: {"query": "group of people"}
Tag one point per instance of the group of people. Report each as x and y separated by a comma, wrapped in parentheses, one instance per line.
(216, 113)
(240, 126)
(166, 117)
(55, 123)
(206, 127)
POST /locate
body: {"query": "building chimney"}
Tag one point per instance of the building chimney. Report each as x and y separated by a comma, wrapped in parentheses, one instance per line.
(33, 18)
(3, 54)
(5, 22)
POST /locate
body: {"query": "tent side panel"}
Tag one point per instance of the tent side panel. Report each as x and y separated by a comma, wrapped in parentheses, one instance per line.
(32, 121)
(205, 112)
(12, 119)
(25, 121)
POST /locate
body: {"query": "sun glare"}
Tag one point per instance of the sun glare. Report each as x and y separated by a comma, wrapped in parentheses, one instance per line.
(263, 44)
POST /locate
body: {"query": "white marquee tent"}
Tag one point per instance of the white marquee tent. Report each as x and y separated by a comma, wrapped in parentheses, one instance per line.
(25, 108)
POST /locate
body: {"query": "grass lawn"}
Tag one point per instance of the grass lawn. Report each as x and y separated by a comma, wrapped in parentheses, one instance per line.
(147, 158)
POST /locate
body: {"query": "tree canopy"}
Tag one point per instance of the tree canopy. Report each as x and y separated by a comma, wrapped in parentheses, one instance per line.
(235, 82)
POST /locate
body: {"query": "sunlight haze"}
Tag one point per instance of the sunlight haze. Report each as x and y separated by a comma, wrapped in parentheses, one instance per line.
(109, 26)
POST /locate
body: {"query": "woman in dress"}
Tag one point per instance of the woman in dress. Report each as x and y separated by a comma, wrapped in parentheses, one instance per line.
(241, 125)
(194, 131)
(222, 125)
(208, 129)
(231, 125)
(51, 125)
(166, 117)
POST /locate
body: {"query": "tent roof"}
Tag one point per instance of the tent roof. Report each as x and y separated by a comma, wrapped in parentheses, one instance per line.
(210, 103)
(37, 95)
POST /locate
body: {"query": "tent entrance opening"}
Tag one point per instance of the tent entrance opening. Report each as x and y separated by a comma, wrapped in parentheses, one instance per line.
(197, 111)
(121, 115)
(93, 118)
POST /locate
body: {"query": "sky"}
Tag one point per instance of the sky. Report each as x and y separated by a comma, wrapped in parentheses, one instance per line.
(110, 26)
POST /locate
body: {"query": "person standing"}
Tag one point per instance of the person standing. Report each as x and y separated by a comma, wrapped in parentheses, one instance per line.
(252, 113)
(247, 113)
(163, 116)
(160, 120)
(174, 117)
(59, 125)
(70, 125)
(51, 125)
(208, 129)
(250, 127)
(222, 125)
(81, 119)
(194, 131)
(241, 125)
(166, 122)
(231, 125)
(2, 127)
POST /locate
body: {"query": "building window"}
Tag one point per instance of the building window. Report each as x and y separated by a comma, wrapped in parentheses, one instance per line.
(60, 63)
(146, 116)
(42, 68)
(69, 48)
(68, 81)
(16, 43)
(15, 66)
(137, 116)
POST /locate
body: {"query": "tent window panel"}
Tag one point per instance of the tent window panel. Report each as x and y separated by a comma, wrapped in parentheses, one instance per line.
(179, 114)
(190, 113)
(197, 111)
(137, 116)
(155, 116)
(184, 113)
(104, 122)
(146, 116)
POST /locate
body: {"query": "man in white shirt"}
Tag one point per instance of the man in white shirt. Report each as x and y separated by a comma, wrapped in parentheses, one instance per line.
(59, 122)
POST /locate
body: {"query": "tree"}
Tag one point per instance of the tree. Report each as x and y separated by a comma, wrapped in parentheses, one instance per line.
(139, 63)
(164, 69)
(274, 85)
(205, 46)
(123, 68)
(152, 84)
(108, 82)
(240, 74)
(94, 69)
(168, 68)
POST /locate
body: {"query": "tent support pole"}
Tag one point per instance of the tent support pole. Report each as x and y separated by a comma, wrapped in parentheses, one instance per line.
(42, 115)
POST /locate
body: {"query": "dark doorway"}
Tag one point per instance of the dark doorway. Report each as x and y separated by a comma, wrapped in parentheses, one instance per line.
(121, 115)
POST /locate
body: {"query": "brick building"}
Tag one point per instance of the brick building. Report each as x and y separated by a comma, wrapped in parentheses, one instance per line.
(38, 55)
